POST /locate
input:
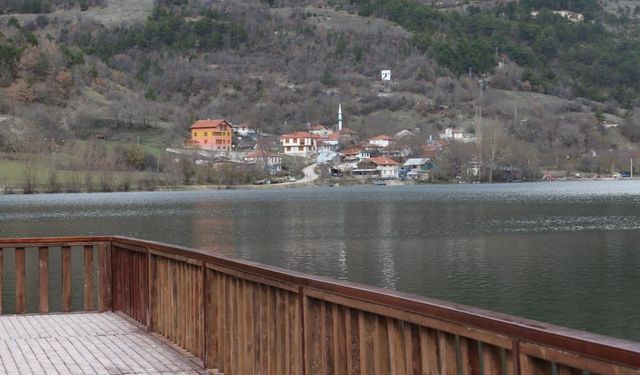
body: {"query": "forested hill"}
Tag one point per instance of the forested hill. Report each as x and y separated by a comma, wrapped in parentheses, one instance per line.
(129, 68)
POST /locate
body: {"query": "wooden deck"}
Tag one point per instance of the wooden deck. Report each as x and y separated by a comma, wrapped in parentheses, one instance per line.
(85, 343)
(234, 317)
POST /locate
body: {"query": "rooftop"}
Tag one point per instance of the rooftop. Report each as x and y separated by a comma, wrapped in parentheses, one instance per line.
(206, 124)
(297, 135)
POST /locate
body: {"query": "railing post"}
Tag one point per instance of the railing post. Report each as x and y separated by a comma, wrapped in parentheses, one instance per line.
(43, 265)
(88, 278)
(303, 331)
(205, 302)
(105, 299)
(515, 354)
(20, 280)
(150, 291)
(66, 278)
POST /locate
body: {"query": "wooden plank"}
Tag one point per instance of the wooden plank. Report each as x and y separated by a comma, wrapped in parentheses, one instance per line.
(66, 278)
(429, 351)
(20, 280)
(43, 267)
(491, 360)
(152, 319)
(421, 320)
(178, 258)
(88, 278)
(104, 277)
(534, 366)
(532, 354)
(566, 370)
(447, 354)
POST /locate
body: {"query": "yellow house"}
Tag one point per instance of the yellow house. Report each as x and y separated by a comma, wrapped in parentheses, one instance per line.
(213, 135)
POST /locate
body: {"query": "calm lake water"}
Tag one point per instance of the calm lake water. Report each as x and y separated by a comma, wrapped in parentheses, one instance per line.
(566, 253)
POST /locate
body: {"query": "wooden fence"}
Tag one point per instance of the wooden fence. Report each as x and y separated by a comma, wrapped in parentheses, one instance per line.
(238, 317)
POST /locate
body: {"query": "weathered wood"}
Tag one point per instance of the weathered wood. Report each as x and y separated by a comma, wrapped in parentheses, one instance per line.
(20, 280)
(104, 276)
(93, 343)
(240, 317)
(43, 267)
(534, 355)
(534, 366)
(439, 324)
(66, 278)
(88, 278)
(491, 361)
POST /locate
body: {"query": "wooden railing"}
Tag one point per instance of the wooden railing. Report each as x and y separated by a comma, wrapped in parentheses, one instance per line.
(239, 317)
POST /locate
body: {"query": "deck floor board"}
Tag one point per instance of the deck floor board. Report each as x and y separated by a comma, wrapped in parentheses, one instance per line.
(87, 344)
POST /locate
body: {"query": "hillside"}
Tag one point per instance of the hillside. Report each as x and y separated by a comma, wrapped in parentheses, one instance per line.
(139, 71)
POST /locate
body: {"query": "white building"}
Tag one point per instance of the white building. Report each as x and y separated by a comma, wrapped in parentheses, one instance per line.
(271, 162)
(387, 168)
(452, 134)
(243, 130)
(381, 140)
(299, 143)
(321, 130)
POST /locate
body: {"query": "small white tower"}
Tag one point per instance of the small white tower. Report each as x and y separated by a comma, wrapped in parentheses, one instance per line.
(340, 117)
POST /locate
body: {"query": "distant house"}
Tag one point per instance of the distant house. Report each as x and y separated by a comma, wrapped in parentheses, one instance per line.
(387, 168)
(244, 130)
(452, 134)
(327, 157)
(321, 130)
(330, 143)
(457, 135)
(299, 143)
(403, 133)
(381, 140)
(567, 14)
(264, 160)
(215, 135)
(417, 168)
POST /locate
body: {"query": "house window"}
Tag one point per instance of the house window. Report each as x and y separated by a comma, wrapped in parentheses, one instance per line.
(301, 141)
(206, 134)
(195, 134)
(205, 141)
(288, 148)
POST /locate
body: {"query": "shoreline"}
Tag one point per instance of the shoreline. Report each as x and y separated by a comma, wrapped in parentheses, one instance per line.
(297, 185)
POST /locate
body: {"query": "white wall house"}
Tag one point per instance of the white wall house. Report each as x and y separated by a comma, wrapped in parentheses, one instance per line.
(264, 160)
(388, 167)
(381, 140)
(452, 134)
(299, 143)
(243, 130)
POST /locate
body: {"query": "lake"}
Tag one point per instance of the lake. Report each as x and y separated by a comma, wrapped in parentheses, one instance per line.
(562, 252)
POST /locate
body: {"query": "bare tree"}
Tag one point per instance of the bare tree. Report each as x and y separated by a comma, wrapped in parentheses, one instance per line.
(493, 145)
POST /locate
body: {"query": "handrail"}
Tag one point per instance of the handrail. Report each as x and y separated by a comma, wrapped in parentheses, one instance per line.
(161, 274)
(605, 347)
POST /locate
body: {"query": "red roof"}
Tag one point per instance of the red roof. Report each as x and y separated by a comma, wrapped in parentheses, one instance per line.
(206, 124)
(318, 127)
(259, 154)
(381, 160)
(298, 135)
(381, 138)
(352, 150)
(333, 137)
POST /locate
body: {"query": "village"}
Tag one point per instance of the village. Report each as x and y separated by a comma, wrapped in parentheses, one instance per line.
(333, 151)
